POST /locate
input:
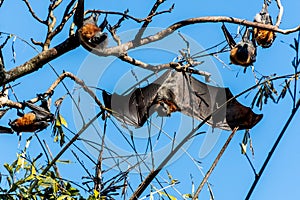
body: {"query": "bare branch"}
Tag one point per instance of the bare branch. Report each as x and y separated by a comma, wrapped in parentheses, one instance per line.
(214, 164)
(36, 42)
(40, 60)
(78, 81)
(67, 15)
(117, 13)
(279, 17)
(149, 19)
(122, 49)
(113, 29)
(33, 13)
(139, 63)
(55, 4)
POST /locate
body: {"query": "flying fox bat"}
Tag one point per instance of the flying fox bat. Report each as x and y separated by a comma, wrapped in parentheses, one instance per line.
(264, 38)
(244, 52)
(174, 91)
(92, 34)
(36, 120)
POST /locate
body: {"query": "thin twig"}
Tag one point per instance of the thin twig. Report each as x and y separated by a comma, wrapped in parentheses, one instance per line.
(149, 19)
(214, 164)
(261, 171)
(64, 149)
(122, 49)
(279, 17)
(33, 13)
(78, 81)
(98, 174)
(51, 156)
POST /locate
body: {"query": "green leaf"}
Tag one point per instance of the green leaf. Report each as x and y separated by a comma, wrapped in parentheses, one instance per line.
(61, 121)
(190, 196)
(167, 195)
(64, 161)
(64, 197)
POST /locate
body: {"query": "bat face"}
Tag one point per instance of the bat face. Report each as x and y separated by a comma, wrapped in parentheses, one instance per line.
(264, 38)
(174, 91)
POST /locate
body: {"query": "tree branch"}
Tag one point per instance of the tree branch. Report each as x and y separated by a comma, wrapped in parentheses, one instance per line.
(214, 164)
(122, 49)
(63, 150)
(78, 81)
(40, 60)
(261, 171)
(33, 13)
(279, 17)
(147, 22)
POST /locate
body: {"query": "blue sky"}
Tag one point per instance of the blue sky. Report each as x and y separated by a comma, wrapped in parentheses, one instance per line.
(232, 177)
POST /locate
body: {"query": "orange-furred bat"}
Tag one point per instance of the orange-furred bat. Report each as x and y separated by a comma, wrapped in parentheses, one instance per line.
(244, 52)
(264, 38)
(36, 120)
(93, 34)
(175, 91)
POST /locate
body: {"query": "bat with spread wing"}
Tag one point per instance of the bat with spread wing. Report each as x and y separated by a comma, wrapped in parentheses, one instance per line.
(263, 37)
(244, 52)
(36, 120)
(174, 91)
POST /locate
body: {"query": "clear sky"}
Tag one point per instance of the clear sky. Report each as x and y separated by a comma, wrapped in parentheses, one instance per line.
(233, 176)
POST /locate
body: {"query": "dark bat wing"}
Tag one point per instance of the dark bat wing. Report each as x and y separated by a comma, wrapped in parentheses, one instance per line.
(188, 95)
(228, 37)
(199, 100)
(41, 114)
(4, 129)
(238, 115)
(136, 107)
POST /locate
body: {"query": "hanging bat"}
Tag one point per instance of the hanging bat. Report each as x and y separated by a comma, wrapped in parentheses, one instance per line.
(175, 91)
(244, 52)
(36, 120)
(264, 38)
(92, 34)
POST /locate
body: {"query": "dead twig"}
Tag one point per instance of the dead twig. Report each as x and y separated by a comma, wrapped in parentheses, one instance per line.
(33, 13)
(149, 19)
(214, 164)
(279, 17)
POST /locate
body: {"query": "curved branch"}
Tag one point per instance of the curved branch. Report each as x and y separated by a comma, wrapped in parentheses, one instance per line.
(40, 60)
(279, 17)
(33, 13)
(122, 49)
